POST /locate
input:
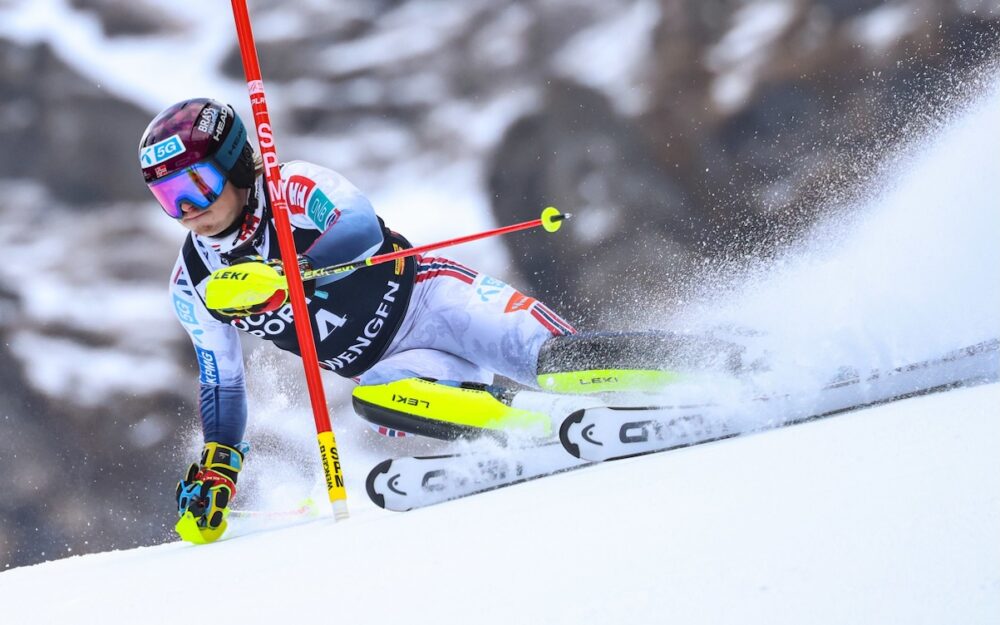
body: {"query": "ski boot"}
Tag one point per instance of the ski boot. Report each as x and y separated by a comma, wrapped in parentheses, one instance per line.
(640, 362)
(448, 410)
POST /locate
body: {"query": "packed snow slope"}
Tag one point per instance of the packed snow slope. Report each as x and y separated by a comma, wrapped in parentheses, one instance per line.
(888, 515)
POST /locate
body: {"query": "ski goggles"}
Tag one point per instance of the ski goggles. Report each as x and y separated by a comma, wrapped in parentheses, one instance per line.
(199, 185)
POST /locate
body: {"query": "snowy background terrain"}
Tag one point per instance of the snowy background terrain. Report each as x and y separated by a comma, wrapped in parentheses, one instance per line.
(885, 260)
(889, 515)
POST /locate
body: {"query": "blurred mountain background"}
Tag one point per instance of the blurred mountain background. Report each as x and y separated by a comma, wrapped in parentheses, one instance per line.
(687, 136)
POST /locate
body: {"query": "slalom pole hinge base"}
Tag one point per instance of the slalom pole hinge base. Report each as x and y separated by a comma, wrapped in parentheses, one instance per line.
(340, 512)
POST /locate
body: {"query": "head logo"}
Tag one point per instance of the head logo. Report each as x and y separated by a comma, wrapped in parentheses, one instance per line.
(588, 435)
(223, 116)
(393, 484)
(161, 151)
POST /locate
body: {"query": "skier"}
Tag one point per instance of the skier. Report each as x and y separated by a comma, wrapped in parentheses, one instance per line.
(423, 336)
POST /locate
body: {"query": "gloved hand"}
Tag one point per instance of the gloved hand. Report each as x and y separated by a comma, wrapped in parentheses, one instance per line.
(210, 485)
(231, 292)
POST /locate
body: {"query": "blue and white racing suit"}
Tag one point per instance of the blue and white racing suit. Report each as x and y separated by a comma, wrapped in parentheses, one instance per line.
(422, 316)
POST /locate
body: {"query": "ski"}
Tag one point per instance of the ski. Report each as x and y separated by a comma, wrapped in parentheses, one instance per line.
(602, 432)
(607, 433)
(416, 481)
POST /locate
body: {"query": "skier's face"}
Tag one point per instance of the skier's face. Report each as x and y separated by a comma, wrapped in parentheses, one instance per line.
(218, 216)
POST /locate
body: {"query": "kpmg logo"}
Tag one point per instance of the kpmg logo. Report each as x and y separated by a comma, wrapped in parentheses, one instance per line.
(161, 151)
(208, 364)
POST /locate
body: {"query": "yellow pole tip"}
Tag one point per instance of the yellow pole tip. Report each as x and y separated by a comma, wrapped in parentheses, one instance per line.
(552, 219)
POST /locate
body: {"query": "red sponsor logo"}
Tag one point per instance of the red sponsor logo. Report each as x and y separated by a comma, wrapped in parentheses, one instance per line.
(265, 139)
(298, 190)
(248, 228)
(160, 171)
(518, 301)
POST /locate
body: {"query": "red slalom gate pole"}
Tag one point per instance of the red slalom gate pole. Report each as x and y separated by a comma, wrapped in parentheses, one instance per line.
(265, 139)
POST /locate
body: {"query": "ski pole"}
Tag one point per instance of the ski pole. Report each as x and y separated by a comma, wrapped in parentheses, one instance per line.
(329, 456)
(239, 288)
(551, 220)
(306, 509)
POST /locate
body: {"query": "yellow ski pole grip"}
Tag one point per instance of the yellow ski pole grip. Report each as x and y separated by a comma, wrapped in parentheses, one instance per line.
(239, 286)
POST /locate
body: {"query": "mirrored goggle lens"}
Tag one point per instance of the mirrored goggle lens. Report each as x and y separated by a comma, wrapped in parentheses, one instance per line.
(199, 185)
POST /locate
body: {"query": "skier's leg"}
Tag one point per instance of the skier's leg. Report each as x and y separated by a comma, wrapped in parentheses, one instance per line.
(463, 326)
(477, 318)
(417, 391)
(483, 320)
(629, 361)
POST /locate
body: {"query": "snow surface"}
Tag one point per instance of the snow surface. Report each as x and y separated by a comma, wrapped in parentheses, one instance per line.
(888, 515)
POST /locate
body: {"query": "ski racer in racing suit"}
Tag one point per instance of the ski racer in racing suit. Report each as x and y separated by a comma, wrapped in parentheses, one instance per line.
(427, 329)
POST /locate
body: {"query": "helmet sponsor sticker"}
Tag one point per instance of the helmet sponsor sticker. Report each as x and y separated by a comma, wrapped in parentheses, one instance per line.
(222, 116)
(161, 151)
(207, 119)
